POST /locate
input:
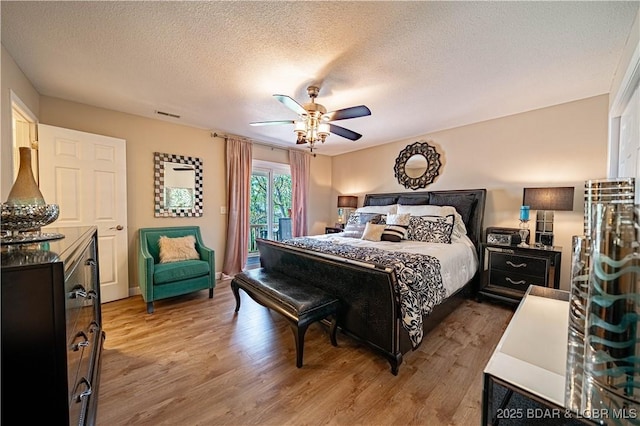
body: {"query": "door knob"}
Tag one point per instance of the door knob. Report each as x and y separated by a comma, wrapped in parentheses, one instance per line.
(117, 228)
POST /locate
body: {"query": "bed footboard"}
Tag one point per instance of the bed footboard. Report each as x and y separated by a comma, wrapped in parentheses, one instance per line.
(370, 305)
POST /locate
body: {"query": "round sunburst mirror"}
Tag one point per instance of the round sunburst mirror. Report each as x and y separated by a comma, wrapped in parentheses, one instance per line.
(417, 165)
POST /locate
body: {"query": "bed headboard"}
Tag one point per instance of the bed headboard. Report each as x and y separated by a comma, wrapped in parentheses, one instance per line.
(469, 203)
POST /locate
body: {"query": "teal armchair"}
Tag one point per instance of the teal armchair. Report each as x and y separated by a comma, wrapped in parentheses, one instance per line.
(162, 280)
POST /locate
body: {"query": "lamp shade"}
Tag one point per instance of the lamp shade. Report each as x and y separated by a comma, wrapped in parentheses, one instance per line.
(556, 198)
(347, 201)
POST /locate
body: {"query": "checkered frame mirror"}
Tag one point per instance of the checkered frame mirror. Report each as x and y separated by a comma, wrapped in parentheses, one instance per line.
(178, 185)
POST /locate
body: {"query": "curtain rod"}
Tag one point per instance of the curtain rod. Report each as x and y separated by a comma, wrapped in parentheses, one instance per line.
(224, 136)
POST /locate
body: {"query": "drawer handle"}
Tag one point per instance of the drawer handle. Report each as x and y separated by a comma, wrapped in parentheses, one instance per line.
(83, 344)
(516, 282)
(516, 265)
(90, 262)
(85, 393)
(91, 294)
(78, 292)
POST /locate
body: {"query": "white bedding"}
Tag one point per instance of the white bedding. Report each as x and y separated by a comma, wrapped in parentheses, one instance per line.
(458, 260)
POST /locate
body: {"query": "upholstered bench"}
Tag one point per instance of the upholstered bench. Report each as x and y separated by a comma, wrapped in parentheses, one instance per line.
(301, 304)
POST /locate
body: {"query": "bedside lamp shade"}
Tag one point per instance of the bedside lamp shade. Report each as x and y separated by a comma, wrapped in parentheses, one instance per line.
(347, 201)
(559, 198)
(546, 201)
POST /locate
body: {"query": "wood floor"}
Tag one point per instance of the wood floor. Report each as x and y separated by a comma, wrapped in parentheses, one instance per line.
(195, 362)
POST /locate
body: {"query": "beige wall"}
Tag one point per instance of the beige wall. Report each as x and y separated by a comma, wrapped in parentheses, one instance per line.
(563, 145)
(13, 79)
(144, 136)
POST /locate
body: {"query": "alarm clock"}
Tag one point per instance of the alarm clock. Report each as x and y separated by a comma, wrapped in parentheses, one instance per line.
(503, 236)
(501, 239)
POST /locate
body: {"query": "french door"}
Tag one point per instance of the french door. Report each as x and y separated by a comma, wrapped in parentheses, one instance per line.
(270, 209)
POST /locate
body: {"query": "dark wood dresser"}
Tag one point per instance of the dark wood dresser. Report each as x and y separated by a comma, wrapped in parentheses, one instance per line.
(52, 334)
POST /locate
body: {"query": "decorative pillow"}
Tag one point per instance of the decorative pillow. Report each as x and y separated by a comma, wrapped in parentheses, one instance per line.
(353, 219)
(357, 221)
(177, 249)
(396, 229)
(370, 217)
(353, 230)
(373, 232)
(431, 229)
(388, 209)
(433, 210)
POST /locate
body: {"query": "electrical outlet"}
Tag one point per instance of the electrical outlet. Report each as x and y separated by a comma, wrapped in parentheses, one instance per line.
(223, 209)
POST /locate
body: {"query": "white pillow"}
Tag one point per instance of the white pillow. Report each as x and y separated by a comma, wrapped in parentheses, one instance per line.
(430, 210)
(373, 232)
(389, 209)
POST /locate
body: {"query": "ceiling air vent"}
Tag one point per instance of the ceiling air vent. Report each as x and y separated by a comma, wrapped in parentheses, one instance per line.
(167, 114)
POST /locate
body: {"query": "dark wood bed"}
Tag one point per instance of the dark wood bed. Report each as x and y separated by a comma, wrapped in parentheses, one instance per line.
(370, 302)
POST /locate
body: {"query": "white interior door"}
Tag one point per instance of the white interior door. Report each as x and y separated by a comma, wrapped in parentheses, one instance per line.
(85, 174)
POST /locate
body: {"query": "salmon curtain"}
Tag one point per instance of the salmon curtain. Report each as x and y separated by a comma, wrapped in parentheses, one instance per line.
(238, 189)
(300, 163)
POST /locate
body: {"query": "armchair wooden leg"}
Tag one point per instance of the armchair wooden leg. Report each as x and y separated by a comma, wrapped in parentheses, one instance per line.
(149, 307)
(210, 293)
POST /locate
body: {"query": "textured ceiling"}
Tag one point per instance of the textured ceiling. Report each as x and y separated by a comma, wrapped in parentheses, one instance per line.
(419, 66)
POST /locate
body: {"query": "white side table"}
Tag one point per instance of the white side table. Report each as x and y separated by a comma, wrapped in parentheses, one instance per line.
(531, 357)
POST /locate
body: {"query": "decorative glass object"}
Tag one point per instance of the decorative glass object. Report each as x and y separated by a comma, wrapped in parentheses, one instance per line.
(611, 362)
(524, 233)
(25, 211)
(612, 191)
(580, 266)
(606, 191)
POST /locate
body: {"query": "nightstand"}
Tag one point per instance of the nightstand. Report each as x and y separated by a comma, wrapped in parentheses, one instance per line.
(508, 271)
(332, 230)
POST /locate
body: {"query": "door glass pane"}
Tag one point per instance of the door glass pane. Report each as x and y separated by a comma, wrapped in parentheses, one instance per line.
(281, 206)
(270, 208)
(258, 209)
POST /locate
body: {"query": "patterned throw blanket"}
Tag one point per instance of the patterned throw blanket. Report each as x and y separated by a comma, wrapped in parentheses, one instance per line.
(418, 277)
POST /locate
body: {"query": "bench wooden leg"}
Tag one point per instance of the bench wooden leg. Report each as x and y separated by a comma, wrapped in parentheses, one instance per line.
(236, 294)
(298, 334)
(333, 330)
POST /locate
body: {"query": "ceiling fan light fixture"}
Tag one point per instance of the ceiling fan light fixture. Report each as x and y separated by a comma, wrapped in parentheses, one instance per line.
(313, 123)
(323, 131)
(300, 126)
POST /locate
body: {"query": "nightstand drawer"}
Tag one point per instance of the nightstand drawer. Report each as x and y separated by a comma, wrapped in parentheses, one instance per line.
(519, 264)
(514, 281)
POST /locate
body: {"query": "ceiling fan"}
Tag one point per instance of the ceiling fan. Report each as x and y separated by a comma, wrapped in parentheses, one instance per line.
(314, 122)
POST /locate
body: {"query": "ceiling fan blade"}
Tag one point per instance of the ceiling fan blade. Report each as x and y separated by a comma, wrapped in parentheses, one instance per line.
(271, 123)
(290, 103)
(343, 114)
(345, 133)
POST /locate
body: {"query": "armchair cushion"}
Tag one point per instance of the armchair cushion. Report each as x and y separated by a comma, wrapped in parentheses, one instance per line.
(177, 271)
(177, 249)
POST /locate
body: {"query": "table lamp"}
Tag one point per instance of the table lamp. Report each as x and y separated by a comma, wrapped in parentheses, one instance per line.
(345, 203)
(546, 201)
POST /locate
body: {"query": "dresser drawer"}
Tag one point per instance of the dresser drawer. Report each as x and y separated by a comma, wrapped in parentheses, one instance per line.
(519, 264)
(514, 281)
